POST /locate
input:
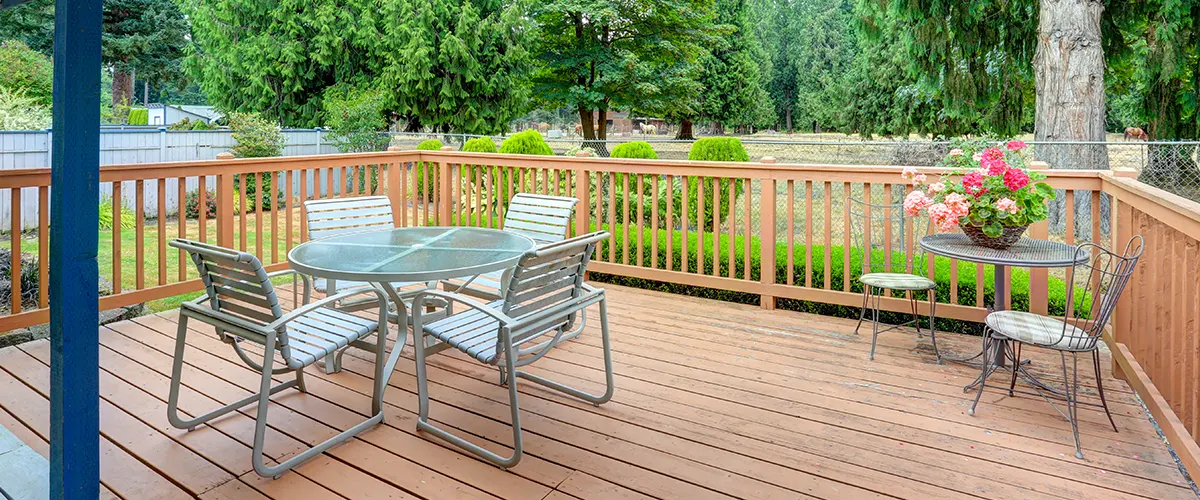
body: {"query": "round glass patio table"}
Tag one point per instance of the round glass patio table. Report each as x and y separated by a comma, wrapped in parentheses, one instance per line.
(1026, 252)
(412, 254)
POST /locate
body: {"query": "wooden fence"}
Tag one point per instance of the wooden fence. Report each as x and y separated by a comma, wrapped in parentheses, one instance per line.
(776, 231)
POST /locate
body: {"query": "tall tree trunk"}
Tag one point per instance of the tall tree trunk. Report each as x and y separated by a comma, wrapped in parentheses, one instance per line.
(587, 122)
(718, 128)
(122, 89)
(1069, 80)
(787, 111)
(685, 131)
(599, 145)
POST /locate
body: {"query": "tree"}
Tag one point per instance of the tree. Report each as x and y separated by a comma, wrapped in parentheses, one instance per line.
(776, 34)
(733, 92)
(822, 52)
(458, 65)
(355, 118)
(31, 23)
(599, 55)
(26, 71)
(144, 38)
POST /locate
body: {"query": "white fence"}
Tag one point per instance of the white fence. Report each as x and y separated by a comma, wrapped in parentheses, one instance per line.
(31, 149)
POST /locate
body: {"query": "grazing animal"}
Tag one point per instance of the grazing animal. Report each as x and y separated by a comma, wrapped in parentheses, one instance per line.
(649, 129)
(543, 127)
(1136, 133)
(578, 128)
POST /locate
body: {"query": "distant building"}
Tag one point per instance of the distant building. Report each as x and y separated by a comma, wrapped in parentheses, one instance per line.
(168, 114)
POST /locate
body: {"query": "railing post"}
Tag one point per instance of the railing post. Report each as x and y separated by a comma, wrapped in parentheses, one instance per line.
(766, 235)
(225, 195)
(582, 188)
(446, 191)
(1122, 320)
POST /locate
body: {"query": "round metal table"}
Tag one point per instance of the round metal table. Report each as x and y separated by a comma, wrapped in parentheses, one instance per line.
(1027, 252)
(411, 254)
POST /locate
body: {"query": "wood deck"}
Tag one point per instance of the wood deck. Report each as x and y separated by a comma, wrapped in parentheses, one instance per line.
(714, 400)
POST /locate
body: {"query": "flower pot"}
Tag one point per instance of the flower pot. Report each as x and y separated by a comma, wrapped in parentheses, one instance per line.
(1006, 239)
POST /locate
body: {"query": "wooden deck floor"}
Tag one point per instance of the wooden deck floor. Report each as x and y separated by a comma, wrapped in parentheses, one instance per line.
(713, 400)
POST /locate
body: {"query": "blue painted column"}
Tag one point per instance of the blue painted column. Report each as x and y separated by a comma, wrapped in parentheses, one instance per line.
(74, 195)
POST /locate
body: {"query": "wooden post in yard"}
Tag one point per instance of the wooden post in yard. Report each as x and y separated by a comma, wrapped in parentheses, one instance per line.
(225, 195)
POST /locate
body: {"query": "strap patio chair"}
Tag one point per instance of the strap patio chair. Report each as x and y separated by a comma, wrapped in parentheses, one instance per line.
(544, 219)
(1093, 289)
(892, 260)
(240, 303)
(543, 300)
(338, 216)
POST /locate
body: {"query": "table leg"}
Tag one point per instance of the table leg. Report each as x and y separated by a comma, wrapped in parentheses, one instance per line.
(998, 304)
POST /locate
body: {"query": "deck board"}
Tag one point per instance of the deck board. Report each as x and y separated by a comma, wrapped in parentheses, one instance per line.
(714, 400)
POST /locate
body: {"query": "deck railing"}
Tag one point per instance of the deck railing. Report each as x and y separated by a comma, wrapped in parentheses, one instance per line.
(776, 231)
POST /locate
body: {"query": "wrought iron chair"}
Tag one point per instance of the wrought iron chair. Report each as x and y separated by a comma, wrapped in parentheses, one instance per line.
(338, 216)
(1093, 289)
(543, 301)
(241, 304)
(544, 219)
(892, 260)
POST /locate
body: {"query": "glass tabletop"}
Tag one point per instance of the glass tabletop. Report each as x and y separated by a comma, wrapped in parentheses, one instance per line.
(1027, 252)
(410, 254)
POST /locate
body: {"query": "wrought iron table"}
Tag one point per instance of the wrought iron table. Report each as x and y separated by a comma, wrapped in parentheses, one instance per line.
(1027, 252)
(413, 254)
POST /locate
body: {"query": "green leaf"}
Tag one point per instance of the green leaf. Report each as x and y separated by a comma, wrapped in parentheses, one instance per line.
(993, 230)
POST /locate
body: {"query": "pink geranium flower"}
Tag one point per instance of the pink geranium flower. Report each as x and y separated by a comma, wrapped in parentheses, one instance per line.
(913, 175)
(956, 152)
(994, 167)
(958, 205)
(1006, 205)
(942, 217)
(993, 154)
(973, 180)
(1015, 145)
(937, 187)
(915, 202)
(1015, 178)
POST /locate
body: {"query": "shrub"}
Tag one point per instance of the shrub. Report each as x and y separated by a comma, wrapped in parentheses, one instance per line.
(529, 142)
(184, 124)
(26, 71)
(966, 276)
(355, 117)
(426, 178)
(191, 205)
(256, 137)
(139, 116)
(253, 199)
(635, 149)
(128, 219)
(20, 112)
(479, 145)
(574, 151)
(201, 125)
(711, 149)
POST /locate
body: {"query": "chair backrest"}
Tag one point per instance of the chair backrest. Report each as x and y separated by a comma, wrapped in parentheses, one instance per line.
(886, 239)
(1093, 290)
(544, 219)
(337, 216)
(236, 282)
(549, 277)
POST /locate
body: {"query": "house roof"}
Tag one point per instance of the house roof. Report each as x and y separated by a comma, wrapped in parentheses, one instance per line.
(206, 112)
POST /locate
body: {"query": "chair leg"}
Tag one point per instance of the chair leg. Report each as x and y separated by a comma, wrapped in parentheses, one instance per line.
(874, 324)
(932, 325)
(1100, 389)
(595, 400)
(260, 424)
(863, 312)
(912, 301)
(1072, 395)
(1016, 364)
(423, 423)
(989, 345)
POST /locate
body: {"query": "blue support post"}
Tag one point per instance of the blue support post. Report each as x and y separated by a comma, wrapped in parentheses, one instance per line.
(74, 194)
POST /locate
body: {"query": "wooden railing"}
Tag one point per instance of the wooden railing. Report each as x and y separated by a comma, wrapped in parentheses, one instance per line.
(762, 230)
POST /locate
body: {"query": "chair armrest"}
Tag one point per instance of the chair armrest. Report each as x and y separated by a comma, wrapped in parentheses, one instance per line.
(284, 272)
(420, 298)
(295, 313)
(200, 306)
(592, 296)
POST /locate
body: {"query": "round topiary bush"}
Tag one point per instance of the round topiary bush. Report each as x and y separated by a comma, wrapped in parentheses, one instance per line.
(635, 149)
(479, 145)
(712, 149)
(426, 178)
(529, 142)
(640, 150)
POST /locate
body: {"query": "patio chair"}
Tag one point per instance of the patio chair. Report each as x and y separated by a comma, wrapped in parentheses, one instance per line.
(892, 261)
(241, 305)
(1093, 289)
(544, 299)
(544, 219)
(338, 216)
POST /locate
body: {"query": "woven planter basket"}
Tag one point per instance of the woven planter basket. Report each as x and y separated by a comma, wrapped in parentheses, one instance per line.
(1006, 239)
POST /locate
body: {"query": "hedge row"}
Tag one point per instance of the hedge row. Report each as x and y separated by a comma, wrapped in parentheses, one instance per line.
(966, 275)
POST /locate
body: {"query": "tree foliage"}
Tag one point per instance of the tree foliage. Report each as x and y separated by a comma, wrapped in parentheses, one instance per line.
(355, 118)
(256, 136)
(146, 37)
(26, 71)
(733, 91)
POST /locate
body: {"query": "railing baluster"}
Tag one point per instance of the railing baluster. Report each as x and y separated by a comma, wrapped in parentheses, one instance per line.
(700, 181)
(683, 222)
(244, 212)
(480, 218)
(732, 220)
(654, 221)
(846, 237)
(808, 233)
(790, 233)
(716, 227)
(612, 217)
(1039, 278)
(116, 237)
(139, 206)
(641, 219)
(828, 234)
(746, 229)
(15, 251)
(868, 248)
(625, 219)
(1069, 237)
(44, 246)
(276, 190)
(260, 194)
(670, 220)
(161, 184)
(181, 220)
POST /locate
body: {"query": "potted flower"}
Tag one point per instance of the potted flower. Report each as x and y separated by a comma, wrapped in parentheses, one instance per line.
(987, 191)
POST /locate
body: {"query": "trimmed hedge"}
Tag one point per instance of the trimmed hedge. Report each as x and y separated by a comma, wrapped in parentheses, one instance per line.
(966, 276)
(529, 142)
(424, 181)
(479, 145)
(635, 149)
(139, 116)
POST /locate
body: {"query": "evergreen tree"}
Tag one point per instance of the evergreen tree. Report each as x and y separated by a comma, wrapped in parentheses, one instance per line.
(734, 94)
(142, 37)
